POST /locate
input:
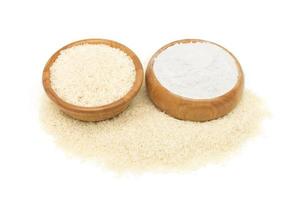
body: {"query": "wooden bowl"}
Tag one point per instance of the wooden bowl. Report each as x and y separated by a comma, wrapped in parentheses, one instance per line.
(192, 109)
(100, 112)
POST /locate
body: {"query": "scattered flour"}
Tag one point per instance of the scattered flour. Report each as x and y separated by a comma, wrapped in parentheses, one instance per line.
(92, 75)
(198, 70)
(143, 138)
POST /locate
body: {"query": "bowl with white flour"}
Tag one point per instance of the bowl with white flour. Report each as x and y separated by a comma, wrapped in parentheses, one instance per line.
(93, 79)
(194, 80)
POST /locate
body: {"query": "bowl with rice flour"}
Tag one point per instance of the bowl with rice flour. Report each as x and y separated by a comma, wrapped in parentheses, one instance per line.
(194, 80)
(93, 79)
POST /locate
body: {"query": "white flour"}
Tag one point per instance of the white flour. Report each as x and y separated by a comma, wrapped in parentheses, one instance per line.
(196, 70)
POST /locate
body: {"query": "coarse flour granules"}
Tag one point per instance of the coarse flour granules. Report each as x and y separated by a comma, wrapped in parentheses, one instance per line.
(200, 70)
(92, 75)
(143, 138)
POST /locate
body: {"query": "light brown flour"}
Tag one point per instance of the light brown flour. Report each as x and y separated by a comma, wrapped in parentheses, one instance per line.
(143, 138)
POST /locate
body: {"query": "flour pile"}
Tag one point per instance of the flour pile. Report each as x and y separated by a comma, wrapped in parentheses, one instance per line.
(199, 70)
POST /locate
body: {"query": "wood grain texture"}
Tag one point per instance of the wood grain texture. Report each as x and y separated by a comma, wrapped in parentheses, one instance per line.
(101, 112)
(192, 109)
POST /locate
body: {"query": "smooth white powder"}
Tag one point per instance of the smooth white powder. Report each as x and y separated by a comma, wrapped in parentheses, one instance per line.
(200, 70)
(92, 75)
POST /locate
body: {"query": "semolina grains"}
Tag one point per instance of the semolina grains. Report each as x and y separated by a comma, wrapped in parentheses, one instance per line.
(143, 138)
(92, 75)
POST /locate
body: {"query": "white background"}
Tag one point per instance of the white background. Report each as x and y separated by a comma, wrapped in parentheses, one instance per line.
(264, 36)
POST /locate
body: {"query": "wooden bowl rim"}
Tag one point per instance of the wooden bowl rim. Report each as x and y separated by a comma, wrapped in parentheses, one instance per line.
(75, 108)
(239, 82)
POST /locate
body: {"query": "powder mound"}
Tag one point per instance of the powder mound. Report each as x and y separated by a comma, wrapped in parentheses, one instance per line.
(92, 75)
(143, 138)
(200, 70)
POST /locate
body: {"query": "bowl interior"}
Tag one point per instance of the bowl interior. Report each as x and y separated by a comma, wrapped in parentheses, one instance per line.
(218, 98)
(125, 99)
